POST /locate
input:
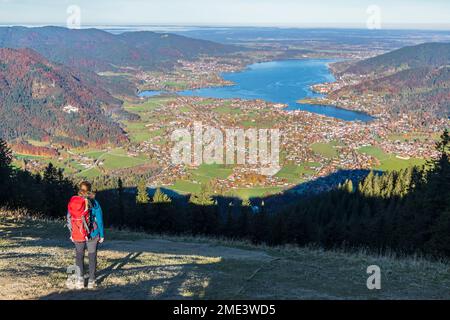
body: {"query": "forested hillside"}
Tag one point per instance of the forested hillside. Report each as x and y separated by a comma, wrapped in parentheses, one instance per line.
(98, 50)
(413, 79)
(427, 54)
(43, 100)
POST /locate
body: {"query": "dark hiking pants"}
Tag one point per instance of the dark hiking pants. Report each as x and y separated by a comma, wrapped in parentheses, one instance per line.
(80, 248)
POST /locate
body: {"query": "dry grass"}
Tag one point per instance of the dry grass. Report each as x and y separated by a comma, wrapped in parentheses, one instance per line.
(35, 253)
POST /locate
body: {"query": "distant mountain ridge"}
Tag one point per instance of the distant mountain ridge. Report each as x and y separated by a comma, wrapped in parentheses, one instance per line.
(43, 100)
(99, 50)
(50, 89)
(409, 79)
(423, 55)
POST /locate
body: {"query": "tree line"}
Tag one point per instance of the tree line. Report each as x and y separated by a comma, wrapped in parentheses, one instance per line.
(405, 211)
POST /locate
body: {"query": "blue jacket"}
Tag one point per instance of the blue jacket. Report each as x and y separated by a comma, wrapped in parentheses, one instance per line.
(96, 220)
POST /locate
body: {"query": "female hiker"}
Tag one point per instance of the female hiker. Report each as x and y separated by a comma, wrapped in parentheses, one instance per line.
(85, 222)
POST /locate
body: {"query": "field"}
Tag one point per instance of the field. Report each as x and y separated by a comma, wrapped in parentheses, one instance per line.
(200, 176)
(258, 123)
(414, 136)
(145, 107)
(110, 160)
(297, 173)
(188, 187)
(69, 166)
(138, 130)
(247, 193)
(227, 109)
(388, 161)
(205, 173)
(176, 85)
(35, 255)
(185, 187)
(327, 150)
(90, 173)
(115, 161)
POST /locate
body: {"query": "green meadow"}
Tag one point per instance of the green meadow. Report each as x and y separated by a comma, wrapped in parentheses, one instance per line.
(148, 105)
(413, 136)
(296, 173)
(112, 160)
(206, 172)
(389, 162)
(138, 130)
(327, 150)
(200, 176)
(255, 192)
(176, 85)
(90, 173)
(185, 187)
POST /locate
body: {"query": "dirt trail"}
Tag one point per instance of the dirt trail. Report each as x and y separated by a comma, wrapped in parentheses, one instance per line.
(186, 248)
(36, 268)
(35, 255)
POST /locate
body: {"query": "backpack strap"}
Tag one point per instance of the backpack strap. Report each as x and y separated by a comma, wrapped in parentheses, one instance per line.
(86, 227)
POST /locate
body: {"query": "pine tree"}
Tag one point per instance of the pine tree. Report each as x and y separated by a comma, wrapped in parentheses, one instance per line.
(142, 194)
(376, 186)
(5, 171)
(439, 243)
(204, 197)
(366, 187)
(121, 207)
(5, 155)
(243, 223)
(246, 203)
(160, 197)
(348, 186)
(437, 198)
(50, 174)
(50, 180)
(443, 146)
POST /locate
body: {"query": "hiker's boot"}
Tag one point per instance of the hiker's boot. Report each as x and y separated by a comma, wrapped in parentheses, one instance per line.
(92, 284)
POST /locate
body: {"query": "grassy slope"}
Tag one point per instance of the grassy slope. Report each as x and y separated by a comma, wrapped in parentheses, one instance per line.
(388, 161)
(34, 255)
(327, 150)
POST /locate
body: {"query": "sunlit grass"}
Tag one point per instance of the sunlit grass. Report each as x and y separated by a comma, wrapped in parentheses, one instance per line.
(35, 254)
(390, 162)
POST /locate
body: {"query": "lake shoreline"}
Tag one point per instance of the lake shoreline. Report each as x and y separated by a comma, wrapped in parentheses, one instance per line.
(278, 82)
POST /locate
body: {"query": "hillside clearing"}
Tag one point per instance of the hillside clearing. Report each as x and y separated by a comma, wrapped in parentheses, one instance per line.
(389, 162)
(35, 254)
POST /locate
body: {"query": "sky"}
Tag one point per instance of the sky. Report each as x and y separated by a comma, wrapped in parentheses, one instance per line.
(429, 14)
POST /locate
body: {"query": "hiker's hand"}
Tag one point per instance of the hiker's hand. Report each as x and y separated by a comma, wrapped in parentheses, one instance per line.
(71, 239)
(101, 240)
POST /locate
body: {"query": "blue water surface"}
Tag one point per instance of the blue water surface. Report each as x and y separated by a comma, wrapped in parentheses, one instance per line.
(284, 82)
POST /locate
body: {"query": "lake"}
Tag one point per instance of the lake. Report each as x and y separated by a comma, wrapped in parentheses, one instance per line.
(284, 82)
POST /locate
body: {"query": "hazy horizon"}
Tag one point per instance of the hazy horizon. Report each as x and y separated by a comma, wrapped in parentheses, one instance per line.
(412, 14)
(186, 27)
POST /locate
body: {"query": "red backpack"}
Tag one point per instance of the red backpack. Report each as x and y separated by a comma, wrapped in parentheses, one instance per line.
(79, 218)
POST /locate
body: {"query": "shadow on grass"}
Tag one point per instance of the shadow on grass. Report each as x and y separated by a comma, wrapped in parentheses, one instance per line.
(179, 285)
(117, 265)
